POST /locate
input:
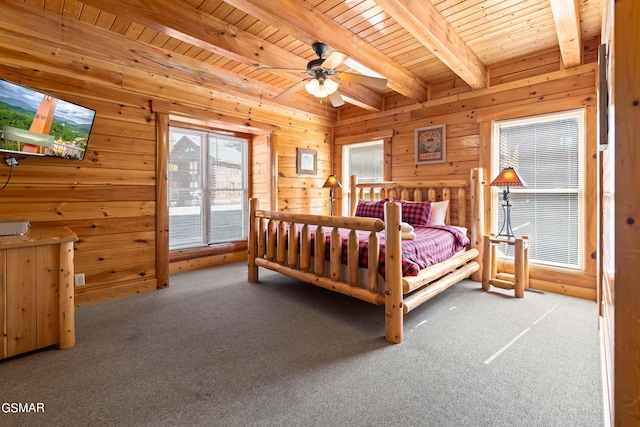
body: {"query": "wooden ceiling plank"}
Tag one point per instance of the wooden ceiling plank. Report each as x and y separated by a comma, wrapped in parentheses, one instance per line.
(134, 30)
(105, 20)
(54, 5)
(72, 9)
(89, 14)
(352, 11)
(480, 24)
(373, 24)
(210, 6)
(120, 25)
(426, 24)
(147, 35)
(567, 19)
(373, 34)
(318, 26)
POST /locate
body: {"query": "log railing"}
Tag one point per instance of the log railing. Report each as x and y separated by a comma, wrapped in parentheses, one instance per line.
(281, 241)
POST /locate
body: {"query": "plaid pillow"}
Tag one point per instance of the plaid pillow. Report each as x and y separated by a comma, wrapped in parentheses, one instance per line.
(371, 208)
(415, 213)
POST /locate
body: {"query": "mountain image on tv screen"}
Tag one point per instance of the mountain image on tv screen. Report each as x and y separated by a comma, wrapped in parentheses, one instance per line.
(35, 123)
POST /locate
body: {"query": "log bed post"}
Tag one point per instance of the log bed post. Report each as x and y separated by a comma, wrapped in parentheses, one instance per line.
(393, 274)
(477, 217)
(353, 195)
(252, 250)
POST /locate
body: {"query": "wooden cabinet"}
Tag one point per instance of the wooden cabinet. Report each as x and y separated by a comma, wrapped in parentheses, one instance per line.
(36, 290)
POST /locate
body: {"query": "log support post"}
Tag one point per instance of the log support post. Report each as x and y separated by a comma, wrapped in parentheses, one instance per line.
(252, 250)
(477, 217)
(66, 311)
(393, 273)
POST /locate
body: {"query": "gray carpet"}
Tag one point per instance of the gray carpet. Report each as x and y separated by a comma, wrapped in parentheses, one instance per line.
(214, 350)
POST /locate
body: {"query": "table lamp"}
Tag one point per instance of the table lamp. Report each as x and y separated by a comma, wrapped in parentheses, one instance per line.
(332, 182)
(507, 178)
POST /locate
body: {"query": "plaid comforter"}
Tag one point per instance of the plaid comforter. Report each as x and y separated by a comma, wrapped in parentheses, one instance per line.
(433, 244)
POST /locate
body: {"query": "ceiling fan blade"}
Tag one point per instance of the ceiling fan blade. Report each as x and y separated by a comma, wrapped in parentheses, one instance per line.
(336, 99)
(291, 90)
(336, 58)
(373, 82)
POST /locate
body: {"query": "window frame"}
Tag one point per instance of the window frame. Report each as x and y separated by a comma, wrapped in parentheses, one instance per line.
(495, 206)
(346, 173)
(205, 214)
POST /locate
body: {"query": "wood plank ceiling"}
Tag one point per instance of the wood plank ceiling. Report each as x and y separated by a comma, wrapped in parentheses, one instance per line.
(410, 43)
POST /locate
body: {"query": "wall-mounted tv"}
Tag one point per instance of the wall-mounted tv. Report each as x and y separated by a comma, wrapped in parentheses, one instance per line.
(37, 124)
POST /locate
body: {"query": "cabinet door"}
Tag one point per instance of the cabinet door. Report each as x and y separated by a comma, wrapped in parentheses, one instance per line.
(21, 264)
(47, 271)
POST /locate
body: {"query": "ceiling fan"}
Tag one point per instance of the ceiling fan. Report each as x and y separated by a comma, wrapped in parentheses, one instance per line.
(319, 84)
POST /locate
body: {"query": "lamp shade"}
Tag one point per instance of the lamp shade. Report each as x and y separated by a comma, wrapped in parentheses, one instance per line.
(312, 86)
(332, 182)
(330, 86)
(321, 92)
(508, 178)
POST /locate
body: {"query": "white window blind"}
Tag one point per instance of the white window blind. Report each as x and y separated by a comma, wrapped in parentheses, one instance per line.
(366, 160)
(546, 152)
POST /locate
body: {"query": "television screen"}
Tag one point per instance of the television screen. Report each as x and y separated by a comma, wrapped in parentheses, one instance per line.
(38, 124)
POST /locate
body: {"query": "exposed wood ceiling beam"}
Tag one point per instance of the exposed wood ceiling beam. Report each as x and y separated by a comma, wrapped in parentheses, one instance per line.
(566, 15)
(426, 24)
(190, 25)
(296, 17)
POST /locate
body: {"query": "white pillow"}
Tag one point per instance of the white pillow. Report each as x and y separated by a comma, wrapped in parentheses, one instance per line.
(438, 212)
(405, 227)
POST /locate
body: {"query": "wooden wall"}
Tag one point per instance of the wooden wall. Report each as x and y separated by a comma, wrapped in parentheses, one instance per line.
(522, 87)
(109, 198)
(607, 218)
(620, 216)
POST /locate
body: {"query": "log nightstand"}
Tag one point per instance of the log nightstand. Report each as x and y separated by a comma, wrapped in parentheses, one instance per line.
(519, 281)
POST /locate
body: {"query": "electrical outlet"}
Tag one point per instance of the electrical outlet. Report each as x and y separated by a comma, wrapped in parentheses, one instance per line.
(79, 279)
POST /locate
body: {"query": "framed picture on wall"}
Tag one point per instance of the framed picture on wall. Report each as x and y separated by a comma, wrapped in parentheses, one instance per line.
(430, 145)
(307, 161)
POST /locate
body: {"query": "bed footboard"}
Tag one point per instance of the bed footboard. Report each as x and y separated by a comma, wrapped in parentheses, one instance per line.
(282, 242)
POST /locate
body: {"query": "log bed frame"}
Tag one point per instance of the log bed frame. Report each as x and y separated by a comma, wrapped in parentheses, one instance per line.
(270, 246)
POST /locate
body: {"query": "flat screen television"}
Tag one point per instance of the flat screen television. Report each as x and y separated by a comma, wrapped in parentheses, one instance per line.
(33, 123)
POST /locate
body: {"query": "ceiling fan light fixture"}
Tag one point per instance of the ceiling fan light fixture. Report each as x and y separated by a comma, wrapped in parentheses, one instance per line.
(321, 92)
(321, 88)
(312, 86)
(330, 86)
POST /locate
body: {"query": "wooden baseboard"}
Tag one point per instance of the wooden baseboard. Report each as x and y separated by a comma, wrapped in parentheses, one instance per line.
(558, 288)
(93, 295)
(110, 292)
(607, 395)
(207, 261)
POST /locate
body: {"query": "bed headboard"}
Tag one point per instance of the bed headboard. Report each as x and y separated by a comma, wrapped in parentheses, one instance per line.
(454, 190)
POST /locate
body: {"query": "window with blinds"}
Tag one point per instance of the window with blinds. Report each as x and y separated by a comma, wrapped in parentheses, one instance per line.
(366, 160)
(547, 152)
